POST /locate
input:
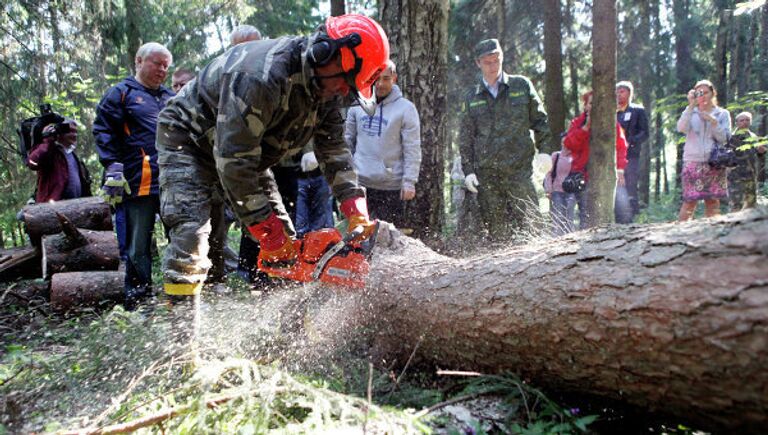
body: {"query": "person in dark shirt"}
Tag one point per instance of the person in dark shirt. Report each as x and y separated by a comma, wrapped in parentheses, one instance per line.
(634, 121)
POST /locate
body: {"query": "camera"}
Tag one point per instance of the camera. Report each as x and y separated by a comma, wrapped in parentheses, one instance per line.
(59, 128)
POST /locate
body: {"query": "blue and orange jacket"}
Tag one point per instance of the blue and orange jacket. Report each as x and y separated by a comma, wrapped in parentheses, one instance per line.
(125, 128)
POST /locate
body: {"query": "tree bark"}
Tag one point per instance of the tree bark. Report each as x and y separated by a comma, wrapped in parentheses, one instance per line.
(82, 289)
(61, 253)
(40, 219)
(684, 70)
(19, 263)
(602, 148)
(132, 32)
(740, 57)
(721, 53)
(645, 92)
(573, 65)
(763, 76)
(337, 8)
(553, 57)
(671, 317)
(418, 34)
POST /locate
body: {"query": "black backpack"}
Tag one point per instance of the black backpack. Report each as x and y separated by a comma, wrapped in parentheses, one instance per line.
(31, 129)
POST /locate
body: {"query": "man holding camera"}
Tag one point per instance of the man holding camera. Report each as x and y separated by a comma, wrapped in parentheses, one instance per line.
(60, 173)
(125, 126)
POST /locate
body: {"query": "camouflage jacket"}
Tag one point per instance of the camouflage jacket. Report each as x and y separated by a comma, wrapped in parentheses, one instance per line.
(746, 155)
(495, 133)
(254, 105)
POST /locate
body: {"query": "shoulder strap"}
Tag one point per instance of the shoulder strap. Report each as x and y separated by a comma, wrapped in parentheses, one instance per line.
(554, 167)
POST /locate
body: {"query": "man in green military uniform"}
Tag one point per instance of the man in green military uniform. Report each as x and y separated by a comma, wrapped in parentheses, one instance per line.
(497, 150)
(742, 179)
(249, 108)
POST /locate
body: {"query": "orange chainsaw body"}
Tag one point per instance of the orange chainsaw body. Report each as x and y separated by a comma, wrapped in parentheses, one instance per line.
(348, 267)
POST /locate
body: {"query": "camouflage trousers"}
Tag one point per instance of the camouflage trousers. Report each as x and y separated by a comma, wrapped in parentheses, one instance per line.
(189, 191)
(506, 208)
(742, 189)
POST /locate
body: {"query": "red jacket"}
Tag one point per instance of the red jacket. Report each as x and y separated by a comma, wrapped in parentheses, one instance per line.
(48, 159)
(577, 141)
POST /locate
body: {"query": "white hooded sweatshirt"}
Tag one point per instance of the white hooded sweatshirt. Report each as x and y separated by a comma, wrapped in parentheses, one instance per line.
(387, 145)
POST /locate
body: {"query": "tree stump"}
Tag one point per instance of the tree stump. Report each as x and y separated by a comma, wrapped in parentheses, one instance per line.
(83, 289)
(91, 213)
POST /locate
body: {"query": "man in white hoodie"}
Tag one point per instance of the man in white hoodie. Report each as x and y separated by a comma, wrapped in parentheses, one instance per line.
(387, 150)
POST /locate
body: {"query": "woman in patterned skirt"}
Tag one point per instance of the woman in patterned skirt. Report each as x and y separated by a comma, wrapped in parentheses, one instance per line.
(704, 124)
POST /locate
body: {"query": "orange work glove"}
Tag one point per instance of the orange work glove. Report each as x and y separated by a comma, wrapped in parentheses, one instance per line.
(276, 246)
(356, 211)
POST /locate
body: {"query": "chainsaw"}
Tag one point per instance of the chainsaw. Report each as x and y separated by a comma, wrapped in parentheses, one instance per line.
(325, 256)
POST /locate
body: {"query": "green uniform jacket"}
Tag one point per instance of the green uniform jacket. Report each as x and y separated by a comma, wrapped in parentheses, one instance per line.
(254, 105)
(495, 133)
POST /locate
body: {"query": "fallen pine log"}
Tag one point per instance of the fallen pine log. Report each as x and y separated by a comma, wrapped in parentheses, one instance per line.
(76, 249)
(83, 289)
(671, 317)
(40, 219)
(18, 263)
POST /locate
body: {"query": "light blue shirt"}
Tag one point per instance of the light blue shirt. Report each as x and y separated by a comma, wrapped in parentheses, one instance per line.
(494, 90)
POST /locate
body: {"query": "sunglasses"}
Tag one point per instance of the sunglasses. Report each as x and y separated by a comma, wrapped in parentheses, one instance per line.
(700, 93)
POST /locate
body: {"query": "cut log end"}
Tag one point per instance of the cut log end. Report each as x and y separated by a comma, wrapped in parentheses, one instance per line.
(74, 290)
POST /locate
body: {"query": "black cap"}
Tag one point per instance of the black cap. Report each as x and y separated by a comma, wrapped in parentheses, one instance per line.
(487, 46)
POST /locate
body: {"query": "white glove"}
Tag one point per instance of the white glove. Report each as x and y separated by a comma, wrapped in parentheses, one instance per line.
(471, 183)
(309, 162)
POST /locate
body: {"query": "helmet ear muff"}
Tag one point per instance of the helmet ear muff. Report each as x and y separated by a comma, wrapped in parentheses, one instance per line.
(321, 53)
(324, 48)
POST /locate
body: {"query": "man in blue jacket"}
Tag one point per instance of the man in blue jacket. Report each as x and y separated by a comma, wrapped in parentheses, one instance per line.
(125, 126)
(634, 121)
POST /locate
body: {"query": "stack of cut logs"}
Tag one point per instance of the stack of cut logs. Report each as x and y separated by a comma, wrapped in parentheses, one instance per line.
(73, 247)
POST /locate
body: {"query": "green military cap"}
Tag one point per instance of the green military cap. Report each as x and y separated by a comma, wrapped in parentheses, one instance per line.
(487, 46)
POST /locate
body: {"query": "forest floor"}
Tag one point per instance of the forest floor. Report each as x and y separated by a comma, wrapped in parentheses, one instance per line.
(256, 362)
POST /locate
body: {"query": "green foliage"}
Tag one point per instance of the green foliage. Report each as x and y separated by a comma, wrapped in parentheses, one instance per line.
(529, 411)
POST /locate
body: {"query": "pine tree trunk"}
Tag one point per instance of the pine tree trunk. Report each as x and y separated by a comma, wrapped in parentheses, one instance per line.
(573, 64)
(337, 8)
(418, 34)
(553, 57)
(659, 148)
(133, 31)
(736, 57)
(602, 149)
(684, 70)
(672, 317)
(721, 53)
(763, 75)
(646, 94)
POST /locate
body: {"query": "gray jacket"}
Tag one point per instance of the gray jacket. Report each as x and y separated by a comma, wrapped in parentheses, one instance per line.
(700, 135)
(387, 145)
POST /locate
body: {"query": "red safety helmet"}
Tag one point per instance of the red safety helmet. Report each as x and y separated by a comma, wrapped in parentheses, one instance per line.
(366, 60)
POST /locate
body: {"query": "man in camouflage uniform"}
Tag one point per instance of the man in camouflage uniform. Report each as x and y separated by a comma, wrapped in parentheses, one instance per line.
(250, 107)
(742, 179)
(497, 117)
